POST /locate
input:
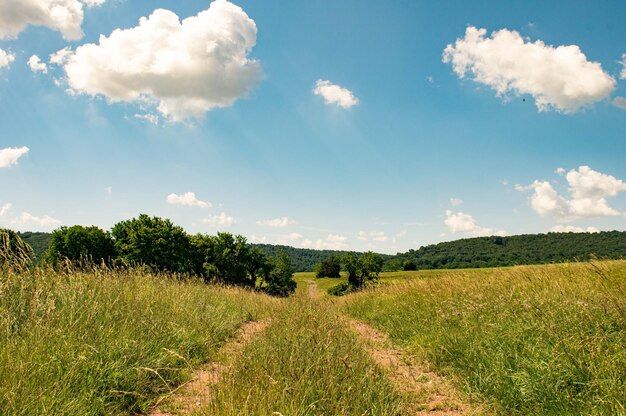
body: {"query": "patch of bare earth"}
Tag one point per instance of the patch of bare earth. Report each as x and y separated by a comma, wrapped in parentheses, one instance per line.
(425, 392)
(312, 287)
(192, 395)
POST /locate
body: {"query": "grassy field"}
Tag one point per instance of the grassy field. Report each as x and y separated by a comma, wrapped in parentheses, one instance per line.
(307, 363)
(108, 343)
(535, 340)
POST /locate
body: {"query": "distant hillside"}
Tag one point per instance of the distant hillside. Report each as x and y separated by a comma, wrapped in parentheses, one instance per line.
(466, 253)
(303, 259)
(519, 249)
(38, 241)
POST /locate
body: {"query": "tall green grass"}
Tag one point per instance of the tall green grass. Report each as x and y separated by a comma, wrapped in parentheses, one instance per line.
(306, 363)
(537, 340)
(108, 342)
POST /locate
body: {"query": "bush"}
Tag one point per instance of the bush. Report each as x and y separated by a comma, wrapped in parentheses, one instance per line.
(279, 282)
(330, 267)
(340, 289)
(409, 265)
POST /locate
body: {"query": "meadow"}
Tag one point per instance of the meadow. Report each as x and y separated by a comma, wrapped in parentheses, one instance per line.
(531, 340)
(527, 340)
(105, 342)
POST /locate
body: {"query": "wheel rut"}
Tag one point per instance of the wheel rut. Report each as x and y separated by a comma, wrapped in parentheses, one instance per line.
(191, 396)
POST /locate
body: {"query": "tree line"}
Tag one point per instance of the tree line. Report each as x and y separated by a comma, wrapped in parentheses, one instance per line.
(162, 247)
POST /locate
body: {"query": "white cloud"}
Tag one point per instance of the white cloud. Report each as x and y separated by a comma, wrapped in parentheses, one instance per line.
(35, 65)
(149, 118)
(588, 192)
(622, 75)
(620, 102)
(466, 224)
(378, 236)
(185, 68)
(560, 171)
(188, 199)
(572, 229)
(258, 240)
(5, 208)
(10, 155)
(29, 222)
(221, 220)
(335, 94)
(277, 222)
(558, 78)
(60, 57)
(455, 202)
(6, 58)
(108, 190)
(64, 16)
(332, 242)
(291, 239)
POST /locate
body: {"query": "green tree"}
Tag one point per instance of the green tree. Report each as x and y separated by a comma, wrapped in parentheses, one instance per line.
(409, 265)
(228, 259)
(330, 267)
(154, 242)
(279, 282)
(80, 245)
(352, 267)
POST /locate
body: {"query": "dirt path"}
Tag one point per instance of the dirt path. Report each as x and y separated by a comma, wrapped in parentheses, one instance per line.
(312, 289)
(425, 392)
(191, 396)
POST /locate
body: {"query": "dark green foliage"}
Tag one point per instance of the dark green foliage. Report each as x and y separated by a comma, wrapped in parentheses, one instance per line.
(228, 259)
(409, 265)
(330, 267)
(80, 245)
(363, 268)
(304, 259)
(14, 252)
(153, 242)
(392, 265)
(38, 241)
(518, 250)
(341, 289)
(279, 282)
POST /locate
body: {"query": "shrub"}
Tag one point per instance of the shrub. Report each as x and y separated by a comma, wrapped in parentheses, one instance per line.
(330, 267)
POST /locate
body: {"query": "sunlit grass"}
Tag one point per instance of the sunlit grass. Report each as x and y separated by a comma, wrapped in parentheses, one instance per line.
(537, 340)
(306, 363)
(108, 342)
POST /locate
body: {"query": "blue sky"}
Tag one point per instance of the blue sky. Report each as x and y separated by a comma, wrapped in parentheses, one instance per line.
(396, 150)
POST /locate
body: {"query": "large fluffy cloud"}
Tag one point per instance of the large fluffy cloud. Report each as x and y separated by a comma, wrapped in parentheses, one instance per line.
(65, 16)
(559, 78)
(588, 192)
(10, 155)
(466, 224)
(335, 94)
(185, 67)
(188, 199)
(6, 58)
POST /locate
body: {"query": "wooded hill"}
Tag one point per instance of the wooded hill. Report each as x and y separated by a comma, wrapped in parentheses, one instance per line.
(518, 249)
(465, 253)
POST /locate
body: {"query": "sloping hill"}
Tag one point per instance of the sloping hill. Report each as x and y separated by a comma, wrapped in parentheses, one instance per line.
(519, 249)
